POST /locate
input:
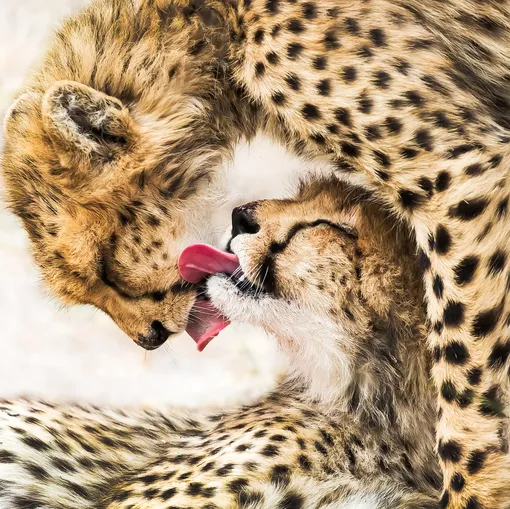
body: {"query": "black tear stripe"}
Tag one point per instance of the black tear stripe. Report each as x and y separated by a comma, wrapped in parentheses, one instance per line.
(267, 267)
(279, 247)
(179, 288)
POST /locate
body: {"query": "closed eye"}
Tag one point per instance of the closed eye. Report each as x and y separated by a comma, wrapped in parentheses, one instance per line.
(178, 288)
(278, 247)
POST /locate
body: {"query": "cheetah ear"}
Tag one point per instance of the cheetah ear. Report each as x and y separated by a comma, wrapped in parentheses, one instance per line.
(85, 124)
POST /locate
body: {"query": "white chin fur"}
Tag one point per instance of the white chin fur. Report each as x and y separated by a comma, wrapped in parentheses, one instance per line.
(307, 339)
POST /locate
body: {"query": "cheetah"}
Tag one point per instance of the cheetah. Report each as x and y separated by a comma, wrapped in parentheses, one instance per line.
(115, 154)
(342, 290)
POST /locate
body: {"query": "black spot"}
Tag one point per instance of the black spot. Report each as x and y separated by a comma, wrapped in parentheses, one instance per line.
(35, 443)
(168, 494)
(276, 30)
(443, 180)
(438, 287)
(318, 138)
(402, 67)
(409, 199)
(280, 475)
(450, 451)
(474, 169)
(467, 210)
(270, 451)
(435, 85)
(320, 448)
(475, 461)
(448, 391)
(294, 50)
(457, 482)
(278, 438)
(499, 355)
(427, 185)
(7, 457)
(250, 498)
(465, 270)
(320, 63)
(373, 133)
(291, 501)
(365, 104)
(238, 485)
(309, 10)
(293, 82)
(225, 470)
(343, 115)
(473, 503)
(465, 398)
(453, 314)
(437, 354)
(310, 112)
(461, 149)
(486, 322)
(382, 158)
(497, 262)
(273, 6)
(445, 500)
(324, 87)
(304, 462)
(443, 240)
(378, 37)
(295, 26)
(456, 353)
(352, 26)
(474, 376)
(408, 153)
(414, 98)
(349, 149)
(393, 124)
(331, 41)
(441, 120)
(502, 208)
(273, 58)
(491, 403)
(382, 79)
(423, 139)
(259, 36)
(349, 73)
(495, 161)
(332, 128)
(278, 98)
(260, 68)
(194, 488)
(365, 52)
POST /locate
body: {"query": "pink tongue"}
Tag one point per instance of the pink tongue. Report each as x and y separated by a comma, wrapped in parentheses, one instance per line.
(195, 263)
(200, 260)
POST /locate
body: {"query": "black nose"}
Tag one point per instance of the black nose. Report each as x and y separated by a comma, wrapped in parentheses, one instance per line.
(243, 219)
(156, 337)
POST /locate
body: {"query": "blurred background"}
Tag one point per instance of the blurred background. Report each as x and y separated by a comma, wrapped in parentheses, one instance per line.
(78, 354)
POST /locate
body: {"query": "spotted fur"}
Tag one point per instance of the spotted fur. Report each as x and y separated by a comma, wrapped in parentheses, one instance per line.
(359, 433)
(117, 136)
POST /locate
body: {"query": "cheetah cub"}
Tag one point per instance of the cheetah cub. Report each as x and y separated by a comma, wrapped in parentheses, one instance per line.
(335, 281)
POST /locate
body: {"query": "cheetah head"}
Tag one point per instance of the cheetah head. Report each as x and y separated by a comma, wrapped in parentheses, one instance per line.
(109, 197)
(328, 274)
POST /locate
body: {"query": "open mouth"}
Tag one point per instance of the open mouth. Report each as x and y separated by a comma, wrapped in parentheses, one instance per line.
(196, 263)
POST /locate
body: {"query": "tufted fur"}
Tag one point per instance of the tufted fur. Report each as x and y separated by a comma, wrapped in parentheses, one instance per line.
(118, 136)
(359, 434)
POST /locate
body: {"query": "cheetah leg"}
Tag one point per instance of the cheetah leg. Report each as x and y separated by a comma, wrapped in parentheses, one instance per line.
(463, 233)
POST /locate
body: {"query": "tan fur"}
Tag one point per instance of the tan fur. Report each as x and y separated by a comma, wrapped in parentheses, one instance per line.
(408, 99)
(361, 435)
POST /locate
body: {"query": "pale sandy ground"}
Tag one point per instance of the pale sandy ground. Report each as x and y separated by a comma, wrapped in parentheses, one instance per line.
(79, 354)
